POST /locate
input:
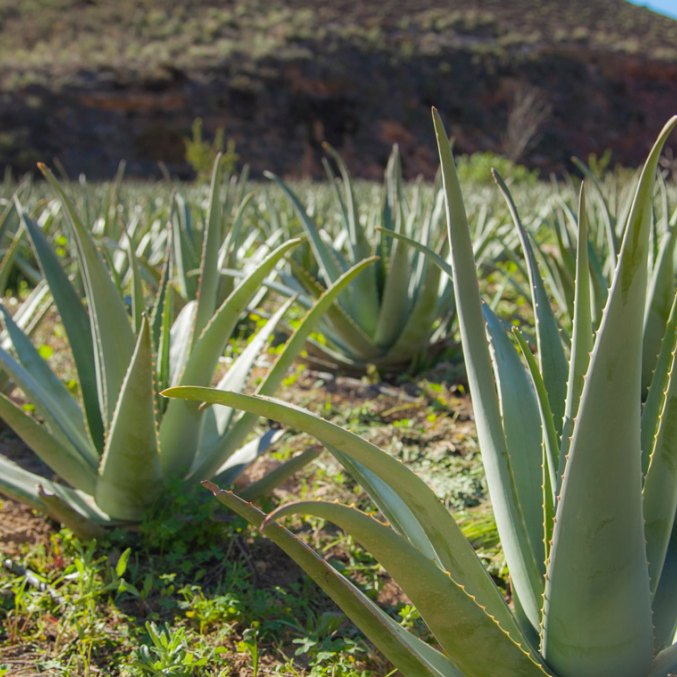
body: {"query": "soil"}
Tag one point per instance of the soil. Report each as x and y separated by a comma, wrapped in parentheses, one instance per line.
(20, 526)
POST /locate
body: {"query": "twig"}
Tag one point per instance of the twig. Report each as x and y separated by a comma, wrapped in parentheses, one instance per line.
(32, 579)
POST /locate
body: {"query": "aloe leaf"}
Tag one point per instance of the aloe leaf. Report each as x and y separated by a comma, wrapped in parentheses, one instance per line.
(557, 280)
(49, 396)
(550, 351)
(29, 488)
(113, 337)
(424, 249)
(612, 241)
(419, 325)
(160, 322)
(660, 484)
(8, 217)
(30, 312)
(64, 460)
(39, 370)
(184, 255)
(597, 613)
(389, 502)
(550, 444)
(138, 305)
(343, 330)
(661, 291)
(359, 243)
(364, 304)
(230, 248)
(27, 317)
(522, 430)
(163, 365)
(76, 324)
(655, 401)
(19, 484)
(326, 258)
(130, 475)
(209, 270)
(236, 378)
(445, 605)
(77, 500)
(449, 544)
(665, 598)
(409, 654)
(599, 286)
(218, 454)
(395, 303)
(665, 663)
(238, 462)
(9, 257)
(180, 335)
(582, 335)
(179, 430)
(210, 344)
(524, 568)
(335, 184)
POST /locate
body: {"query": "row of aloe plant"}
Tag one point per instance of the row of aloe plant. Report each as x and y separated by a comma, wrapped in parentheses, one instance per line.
(581, 475)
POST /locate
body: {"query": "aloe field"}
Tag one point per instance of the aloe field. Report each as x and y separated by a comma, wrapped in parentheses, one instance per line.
(341, 428)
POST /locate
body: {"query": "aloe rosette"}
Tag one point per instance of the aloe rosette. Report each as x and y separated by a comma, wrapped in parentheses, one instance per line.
(581, 476)
(390, 316)
(117, 446)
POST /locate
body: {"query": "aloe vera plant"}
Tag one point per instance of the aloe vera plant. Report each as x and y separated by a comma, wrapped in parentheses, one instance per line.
(390, 315)
(584, 498)
(116, 447)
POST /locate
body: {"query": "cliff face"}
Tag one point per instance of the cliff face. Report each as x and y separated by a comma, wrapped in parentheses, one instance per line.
(539, 102)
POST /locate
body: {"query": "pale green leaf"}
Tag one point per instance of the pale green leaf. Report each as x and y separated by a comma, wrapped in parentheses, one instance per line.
(550, 351)
(597, 614)
(130, 475)
(76, 324)
(63, 459)
(524, 568)
(112, 334)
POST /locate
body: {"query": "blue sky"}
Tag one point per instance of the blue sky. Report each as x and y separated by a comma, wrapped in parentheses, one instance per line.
(668, 7)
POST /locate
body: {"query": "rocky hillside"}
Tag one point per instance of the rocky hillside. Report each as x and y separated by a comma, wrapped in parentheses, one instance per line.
(91, 81)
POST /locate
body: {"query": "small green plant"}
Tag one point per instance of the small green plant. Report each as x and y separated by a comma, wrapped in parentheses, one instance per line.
(167, 653)
(201, 154)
